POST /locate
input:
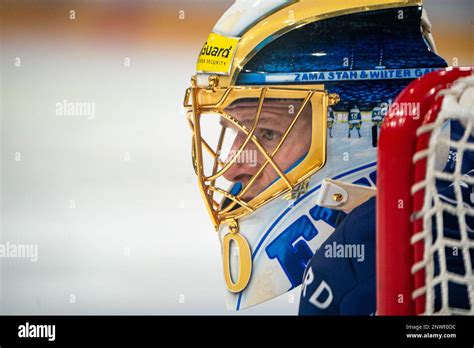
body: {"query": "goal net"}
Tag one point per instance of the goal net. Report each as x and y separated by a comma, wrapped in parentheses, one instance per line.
(425, 199)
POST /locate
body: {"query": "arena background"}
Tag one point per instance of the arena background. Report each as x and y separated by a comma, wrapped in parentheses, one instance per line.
(110, 198)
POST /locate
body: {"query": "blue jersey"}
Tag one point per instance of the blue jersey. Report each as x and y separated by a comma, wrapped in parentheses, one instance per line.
(377, 114)
(355, 116)
(340, 278)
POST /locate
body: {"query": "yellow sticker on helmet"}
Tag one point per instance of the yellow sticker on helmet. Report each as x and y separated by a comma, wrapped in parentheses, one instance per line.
(217, 54)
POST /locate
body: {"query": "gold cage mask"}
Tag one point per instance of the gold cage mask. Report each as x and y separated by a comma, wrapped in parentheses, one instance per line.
(278, 165)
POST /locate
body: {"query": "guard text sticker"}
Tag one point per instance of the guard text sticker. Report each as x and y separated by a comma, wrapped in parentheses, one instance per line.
(216, 54)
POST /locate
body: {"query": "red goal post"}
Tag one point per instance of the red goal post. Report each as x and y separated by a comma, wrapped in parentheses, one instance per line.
(404, 253)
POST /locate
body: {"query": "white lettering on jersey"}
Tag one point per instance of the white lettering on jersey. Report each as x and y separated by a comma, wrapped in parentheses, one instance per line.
(319, 291)
(308, 279)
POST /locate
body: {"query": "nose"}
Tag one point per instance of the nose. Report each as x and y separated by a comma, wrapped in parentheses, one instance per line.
(244, 166)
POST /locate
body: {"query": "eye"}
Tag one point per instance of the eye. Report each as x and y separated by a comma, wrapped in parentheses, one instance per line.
(268, 134)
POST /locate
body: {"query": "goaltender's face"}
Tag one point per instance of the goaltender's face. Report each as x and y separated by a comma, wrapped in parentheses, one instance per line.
(274, 120)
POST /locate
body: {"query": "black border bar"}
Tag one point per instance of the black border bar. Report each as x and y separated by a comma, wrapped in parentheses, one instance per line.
(241, 330)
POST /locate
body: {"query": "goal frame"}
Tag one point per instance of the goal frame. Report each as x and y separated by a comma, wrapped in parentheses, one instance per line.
(396, 205)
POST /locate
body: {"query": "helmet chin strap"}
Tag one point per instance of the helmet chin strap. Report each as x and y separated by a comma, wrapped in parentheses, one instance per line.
(342, 196)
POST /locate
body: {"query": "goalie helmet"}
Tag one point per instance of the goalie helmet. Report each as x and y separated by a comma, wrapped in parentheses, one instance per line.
(258, 107)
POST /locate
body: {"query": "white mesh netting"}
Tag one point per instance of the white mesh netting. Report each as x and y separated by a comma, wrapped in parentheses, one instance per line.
(448, 209)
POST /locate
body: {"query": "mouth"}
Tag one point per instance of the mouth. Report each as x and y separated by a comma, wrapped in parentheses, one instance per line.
(244, 180)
